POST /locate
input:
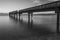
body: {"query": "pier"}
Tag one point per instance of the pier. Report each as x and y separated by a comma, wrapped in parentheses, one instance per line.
(53, 6)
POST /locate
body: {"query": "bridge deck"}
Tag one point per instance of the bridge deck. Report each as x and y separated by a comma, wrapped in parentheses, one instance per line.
(43, 7)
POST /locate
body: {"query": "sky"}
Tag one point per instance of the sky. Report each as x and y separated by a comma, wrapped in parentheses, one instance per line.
(11, 5)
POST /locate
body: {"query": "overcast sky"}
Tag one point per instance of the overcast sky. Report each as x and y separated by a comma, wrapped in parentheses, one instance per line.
(10, 5)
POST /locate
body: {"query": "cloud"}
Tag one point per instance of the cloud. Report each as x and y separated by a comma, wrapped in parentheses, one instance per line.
(52, 0)
(36, 1)
(42, 1)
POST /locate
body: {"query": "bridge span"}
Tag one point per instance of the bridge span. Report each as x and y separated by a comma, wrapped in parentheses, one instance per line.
(53, 6)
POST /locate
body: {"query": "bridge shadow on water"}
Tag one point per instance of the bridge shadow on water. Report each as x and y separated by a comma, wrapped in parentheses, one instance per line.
(33, 29)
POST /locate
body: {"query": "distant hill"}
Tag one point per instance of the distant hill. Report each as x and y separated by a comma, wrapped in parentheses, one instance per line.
(4, 14)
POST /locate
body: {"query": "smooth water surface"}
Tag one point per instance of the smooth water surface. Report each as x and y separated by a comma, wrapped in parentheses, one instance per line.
(10, 29)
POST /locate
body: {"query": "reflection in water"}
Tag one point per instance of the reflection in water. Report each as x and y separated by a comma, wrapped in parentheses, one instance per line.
(12, 29)
(9, 28)
(47, 21)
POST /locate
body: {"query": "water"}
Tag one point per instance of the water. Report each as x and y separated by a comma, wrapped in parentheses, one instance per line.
(11, 29)
(43, 21)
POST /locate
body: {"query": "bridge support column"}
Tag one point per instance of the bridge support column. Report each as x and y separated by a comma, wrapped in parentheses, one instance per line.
(9, 14)
(14, 15)
(57, 22)
(19, 16)
(58, 13)
(28, 19)
(31, 19)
